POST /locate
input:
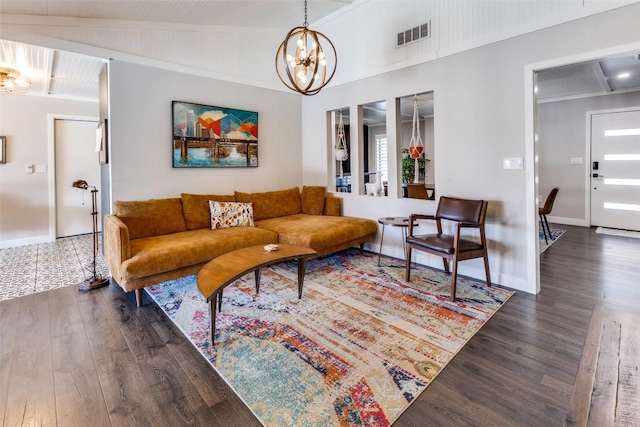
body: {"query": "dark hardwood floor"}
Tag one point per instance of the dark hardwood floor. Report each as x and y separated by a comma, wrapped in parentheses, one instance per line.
(69, 358)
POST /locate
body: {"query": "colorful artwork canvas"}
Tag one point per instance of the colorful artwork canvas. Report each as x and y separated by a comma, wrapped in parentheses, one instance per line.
(206, 136)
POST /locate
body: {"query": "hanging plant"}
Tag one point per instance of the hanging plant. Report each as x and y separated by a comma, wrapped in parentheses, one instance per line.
(341, 152)
(408, 167)
(416, 147)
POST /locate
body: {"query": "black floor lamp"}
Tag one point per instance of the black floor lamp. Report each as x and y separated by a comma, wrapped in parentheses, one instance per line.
(96, 280)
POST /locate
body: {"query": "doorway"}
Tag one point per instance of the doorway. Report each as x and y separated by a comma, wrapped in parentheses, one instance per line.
(570, 165)
(615, 175)
(72, 156)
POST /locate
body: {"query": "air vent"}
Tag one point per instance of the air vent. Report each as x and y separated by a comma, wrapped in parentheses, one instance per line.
(415, 33)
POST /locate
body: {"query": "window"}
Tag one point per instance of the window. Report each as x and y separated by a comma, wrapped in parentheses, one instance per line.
(416, 109)
(381, 157)
(339, 148)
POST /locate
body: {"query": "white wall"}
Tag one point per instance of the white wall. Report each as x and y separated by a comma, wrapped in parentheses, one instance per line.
(480, 120)
(141, 135)
(561, 136)
(24, 198)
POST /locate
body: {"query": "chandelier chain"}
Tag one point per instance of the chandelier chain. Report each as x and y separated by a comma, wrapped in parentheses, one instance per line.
(306, 24)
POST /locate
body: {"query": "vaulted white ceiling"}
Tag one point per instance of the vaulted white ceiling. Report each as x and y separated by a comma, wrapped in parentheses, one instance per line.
(61, 73)
(157, 30)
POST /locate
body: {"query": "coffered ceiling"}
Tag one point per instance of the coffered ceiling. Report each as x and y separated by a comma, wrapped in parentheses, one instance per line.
(606, 75)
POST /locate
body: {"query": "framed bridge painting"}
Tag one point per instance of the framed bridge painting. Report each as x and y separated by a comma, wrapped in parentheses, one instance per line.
(205, 136)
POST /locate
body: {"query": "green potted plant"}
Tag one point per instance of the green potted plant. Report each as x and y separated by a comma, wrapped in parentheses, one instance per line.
(408, 167)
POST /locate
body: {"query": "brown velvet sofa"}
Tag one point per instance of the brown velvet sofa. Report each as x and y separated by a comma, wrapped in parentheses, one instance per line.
(151, 241)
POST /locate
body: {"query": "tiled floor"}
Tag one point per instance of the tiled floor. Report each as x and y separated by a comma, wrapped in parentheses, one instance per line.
(36, 268)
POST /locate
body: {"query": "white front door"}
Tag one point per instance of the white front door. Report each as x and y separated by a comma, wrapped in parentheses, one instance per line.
(75, 159)
(615, 170)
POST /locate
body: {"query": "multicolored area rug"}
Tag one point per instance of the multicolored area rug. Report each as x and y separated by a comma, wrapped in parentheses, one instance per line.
(356, 350)
(556, 233)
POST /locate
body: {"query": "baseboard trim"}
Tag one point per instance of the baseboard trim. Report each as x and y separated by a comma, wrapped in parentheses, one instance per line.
(4, 244)
(568, 221)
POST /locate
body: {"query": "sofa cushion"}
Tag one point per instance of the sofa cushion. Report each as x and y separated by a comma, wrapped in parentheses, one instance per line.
(272, 204)
(154, 217)
(196, 208)
(312, 200)
(318, 232)
(231, 214)
(160, 254)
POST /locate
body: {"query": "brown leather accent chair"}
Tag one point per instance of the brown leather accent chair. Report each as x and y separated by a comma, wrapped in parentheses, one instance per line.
(546, 210)
(462, 213)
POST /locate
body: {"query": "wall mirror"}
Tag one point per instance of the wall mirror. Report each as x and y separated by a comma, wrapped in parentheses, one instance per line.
(416, 145)
(374, 149)
(341, 151)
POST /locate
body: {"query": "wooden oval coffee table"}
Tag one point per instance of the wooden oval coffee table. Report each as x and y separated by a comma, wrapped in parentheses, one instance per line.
(226, 268)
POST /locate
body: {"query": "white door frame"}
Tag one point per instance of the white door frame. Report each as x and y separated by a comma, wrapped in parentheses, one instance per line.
(531, 151)
(51, 160)
(587, 148)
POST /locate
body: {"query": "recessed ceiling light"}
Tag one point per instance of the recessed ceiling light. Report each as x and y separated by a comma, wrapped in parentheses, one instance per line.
(624, 75)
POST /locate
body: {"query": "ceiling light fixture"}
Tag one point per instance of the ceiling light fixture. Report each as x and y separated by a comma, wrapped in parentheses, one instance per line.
(14, 81)
(310, 68)
(624, 75)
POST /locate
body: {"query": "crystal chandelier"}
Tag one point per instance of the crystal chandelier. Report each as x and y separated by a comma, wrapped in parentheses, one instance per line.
(301, 62)
(14, 81)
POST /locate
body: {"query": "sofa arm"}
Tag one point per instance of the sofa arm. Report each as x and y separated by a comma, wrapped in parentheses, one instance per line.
(333, 206)
(116, 244)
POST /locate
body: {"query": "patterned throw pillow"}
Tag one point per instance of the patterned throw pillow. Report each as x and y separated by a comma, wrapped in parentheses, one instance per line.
(231, 214)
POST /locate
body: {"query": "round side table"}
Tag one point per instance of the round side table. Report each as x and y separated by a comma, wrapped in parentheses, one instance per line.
(395, 221)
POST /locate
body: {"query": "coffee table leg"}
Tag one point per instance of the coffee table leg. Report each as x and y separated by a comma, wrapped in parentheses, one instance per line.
(380, 249)
(258, 274)
(212, 313)
(302, 266)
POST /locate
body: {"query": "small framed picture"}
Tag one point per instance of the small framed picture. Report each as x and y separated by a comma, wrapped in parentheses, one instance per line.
(3, 149)
(101, 142)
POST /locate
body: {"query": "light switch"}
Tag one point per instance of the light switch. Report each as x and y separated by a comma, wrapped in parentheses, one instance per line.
(41, 168)
(512, 163)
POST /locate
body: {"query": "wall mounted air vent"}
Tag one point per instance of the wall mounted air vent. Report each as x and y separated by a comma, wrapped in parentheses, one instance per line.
(415, 33)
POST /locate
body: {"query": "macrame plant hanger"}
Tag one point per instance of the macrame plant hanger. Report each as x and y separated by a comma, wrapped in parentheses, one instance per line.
(341, 145)
(416, 147)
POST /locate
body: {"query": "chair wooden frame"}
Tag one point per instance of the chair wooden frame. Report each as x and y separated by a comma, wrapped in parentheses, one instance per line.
(465, 213)
(546, 210)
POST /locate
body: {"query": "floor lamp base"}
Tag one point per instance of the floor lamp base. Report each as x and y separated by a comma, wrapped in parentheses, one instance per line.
(89, 285)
